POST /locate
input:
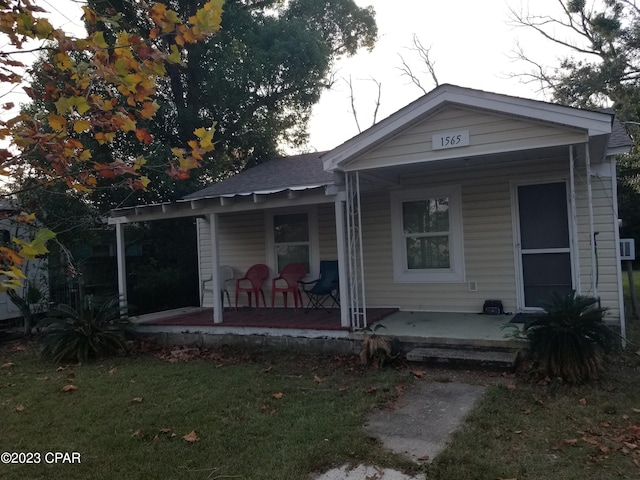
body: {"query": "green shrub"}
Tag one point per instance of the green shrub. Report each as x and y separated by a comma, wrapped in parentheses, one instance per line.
(94, 331)
(570, 339)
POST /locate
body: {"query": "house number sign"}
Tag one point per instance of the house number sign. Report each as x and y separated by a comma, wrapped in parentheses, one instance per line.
(450, 139)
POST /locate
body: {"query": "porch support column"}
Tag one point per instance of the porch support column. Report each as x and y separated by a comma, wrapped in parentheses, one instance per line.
(122, 267)
(215, 268)
(341, 241)
(592, 239)
(575, 250)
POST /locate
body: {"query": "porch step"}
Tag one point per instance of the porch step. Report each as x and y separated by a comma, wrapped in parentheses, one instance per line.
(502, 360)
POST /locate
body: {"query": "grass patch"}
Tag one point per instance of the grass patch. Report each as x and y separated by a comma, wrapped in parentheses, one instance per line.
(530, 431)
(256, 416)
(266, 415)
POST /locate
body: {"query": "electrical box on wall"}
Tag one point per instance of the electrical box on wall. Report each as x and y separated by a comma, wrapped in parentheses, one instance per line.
(627, 249)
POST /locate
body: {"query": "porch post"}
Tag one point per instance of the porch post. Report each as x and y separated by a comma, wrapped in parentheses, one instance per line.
(341, 239)
(616, 230)
(575, 250)
(215, 268)
(122, 266)
(592, 233)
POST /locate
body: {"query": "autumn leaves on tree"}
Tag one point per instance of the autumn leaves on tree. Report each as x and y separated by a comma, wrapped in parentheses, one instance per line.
(103, 89)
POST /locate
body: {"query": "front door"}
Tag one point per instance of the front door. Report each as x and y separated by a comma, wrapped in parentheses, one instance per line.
(545, 245)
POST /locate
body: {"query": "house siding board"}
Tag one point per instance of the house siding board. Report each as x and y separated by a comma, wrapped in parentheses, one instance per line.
(327, 232)
(488, 239)
(488, 134)
(241, 244)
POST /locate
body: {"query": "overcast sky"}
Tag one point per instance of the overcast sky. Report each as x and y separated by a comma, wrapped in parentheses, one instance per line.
(471, 43)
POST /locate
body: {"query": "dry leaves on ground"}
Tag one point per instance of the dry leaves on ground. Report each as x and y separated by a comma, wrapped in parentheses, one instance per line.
(191, 437)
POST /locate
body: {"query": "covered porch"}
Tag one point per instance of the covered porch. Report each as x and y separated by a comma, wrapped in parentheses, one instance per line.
(424, 328)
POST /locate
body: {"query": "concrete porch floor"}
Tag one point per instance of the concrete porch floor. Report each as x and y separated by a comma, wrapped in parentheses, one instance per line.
(450, 328)
(410, 328)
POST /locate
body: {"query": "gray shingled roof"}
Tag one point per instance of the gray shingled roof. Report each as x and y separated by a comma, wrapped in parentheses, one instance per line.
(297, 171)
(619, 137)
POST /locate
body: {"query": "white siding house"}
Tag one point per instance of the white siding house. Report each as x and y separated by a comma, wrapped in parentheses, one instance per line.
(460, 197)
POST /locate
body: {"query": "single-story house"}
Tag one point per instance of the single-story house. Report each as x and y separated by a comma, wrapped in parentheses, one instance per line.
(459, 197)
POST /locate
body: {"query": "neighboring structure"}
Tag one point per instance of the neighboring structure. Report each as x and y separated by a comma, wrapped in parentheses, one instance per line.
(459, 197)
(35, 288)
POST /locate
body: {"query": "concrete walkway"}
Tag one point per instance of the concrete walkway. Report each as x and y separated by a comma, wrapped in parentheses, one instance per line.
(418, 426)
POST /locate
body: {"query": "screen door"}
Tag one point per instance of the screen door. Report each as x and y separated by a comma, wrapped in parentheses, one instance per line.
(545, 246)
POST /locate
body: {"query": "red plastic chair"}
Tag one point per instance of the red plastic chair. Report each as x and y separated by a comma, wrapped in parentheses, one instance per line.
(291, 274)
(255, 278)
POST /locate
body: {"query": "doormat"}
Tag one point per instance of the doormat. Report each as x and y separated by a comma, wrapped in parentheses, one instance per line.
(522, 318)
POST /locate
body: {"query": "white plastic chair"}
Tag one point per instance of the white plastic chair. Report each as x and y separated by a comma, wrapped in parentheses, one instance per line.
(225, 274)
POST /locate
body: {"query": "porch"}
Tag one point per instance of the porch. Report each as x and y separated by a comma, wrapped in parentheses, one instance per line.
(410, 329)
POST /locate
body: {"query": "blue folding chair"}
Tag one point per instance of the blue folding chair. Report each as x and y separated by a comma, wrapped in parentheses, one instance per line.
(324, 289)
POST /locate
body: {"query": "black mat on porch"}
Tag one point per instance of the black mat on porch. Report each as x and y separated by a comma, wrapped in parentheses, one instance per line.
(522, 318)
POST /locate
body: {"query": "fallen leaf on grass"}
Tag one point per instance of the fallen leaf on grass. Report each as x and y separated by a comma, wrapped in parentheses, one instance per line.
(268, 409)
(137, 400)
(191, 437)
(136, 433)
(42, 378)
(582, 401)
(267, 370)
(318, 379)
(635, 410)
(8, 365)
(567, 442)
(278, 395)
(70, 388)
(113, 371)
(20, 408)
(418, 373)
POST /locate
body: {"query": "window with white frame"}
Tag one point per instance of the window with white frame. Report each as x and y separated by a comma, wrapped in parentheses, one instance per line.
(293, 239)
(427, 235)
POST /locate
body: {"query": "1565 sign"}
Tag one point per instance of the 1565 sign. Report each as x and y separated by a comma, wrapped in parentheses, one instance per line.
(450, 139)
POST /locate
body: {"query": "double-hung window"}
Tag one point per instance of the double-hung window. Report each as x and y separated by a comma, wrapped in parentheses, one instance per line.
(292, 239)
(427, 235)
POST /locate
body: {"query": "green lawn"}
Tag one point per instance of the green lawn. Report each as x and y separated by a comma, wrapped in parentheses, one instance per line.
(269, 415)
(529, 431)
(256, 416)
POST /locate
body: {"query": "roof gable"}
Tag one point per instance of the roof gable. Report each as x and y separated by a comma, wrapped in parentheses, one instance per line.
(590, 122)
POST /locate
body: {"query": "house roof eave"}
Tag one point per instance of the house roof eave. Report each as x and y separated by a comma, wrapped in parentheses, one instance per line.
(593, 122)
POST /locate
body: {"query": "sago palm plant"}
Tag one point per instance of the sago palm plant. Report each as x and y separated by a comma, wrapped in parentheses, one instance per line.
(570, 339)
(93, 331)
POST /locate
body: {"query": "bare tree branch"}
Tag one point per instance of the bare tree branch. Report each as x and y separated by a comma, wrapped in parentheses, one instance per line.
(353, 103)
(542, 23)
(375, 112)
(352, 99)
(424, 54)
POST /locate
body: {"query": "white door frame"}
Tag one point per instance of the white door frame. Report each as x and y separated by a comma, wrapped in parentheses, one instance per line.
(573, 254)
